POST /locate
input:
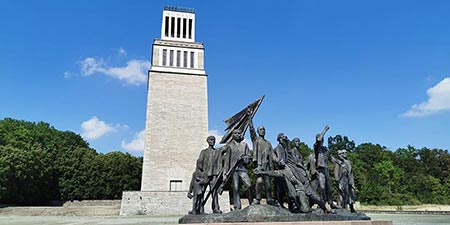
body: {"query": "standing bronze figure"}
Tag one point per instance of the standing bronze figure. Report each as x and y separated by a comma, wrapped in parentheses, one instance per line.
(237, 157)
(197, 190)
(262, 158)
(280, 158)
(310, 164)
(343, 174)
(295, 161)
(211, 164)
(322, 156)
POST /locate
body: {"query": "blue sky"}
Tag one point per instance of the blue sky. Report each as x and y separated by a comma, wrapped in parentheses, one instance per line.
(375, 71)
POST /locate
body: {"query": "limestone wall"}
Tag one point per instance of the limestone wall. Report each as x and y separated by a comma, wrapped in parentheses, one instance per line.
(176, 129)
(163, 203)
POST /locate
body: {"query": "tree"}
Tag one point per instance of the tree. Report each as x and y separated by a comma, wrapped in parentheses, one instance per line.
(22, 176)
(338, 142)
(305, 150)
(365, 157)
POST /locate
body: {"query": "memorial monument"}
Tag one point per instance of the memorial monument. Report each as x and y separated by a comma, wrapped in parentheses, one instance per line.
(181, 171)
(294, 181)
(176, 119)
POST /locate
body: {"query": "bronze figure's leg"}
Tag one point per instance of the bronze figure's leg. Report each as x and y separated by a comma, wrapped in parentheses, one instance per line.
(246, 181)
(268, 191)
(236, 196)
(259, 187)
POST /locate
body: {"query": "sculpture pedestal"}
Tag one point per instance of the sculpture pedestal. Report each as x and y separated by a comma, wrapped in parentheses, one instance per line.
(354, 222)
(267, 214)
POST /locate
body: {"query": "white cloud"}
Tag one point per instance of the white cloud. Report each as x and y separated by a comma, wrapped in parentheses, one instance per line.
(94, 128)
(121, 51)
(217, 134)
(438, 101)
(135, 72)
(91, 65)
(137, 144)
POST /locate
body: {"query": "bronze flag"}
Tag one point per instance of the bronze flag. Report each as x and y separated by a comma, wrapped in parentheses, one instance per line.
(240, 120)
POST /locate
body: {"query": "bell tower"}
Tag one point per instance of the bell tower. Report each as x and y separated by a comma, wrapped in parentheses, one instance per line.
(176, 119)
(177, 104)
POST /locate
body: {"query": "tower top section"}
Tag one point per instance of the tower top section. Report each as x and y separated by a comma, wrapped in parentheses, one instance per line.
(178, 24)
(179, 9)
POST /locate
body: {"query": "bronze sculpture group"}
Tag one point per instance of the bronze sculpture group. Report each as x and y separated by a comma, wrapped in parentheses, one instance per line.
(299, 183)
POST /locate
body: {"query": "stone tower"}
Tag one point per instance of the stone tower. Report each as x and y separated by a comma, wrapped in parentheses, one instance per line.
(177, 105)
(177, 120)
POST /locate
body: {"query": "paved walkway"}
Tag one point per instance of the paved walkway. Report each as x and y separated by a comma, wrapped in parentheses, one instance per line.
(398, 219)
(94, 220)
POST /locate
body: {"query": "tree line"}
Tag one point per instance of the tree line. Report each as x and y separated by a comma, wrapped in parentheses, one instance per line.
(406, 176)
(40, 164)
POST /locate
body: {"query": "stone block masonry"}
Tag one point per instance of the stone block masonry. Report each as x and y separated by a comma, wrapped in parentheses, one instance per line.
(176, 130)
(163, 203)
(177, 118)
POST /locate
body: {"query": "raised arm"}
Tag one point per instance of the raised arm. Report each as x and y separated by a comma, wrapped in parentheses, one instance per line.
(322, 134)
(226, 151)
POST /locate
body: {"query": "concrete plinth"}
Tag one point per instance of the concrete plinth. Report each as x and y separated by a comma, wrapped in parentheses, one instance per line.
(163, 203)
(356, 222)
(268, 214)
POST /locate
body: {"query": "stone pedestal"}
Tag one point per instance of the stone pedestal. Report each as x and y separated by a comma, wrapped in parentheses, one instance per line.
(355, 222)
(267, 214)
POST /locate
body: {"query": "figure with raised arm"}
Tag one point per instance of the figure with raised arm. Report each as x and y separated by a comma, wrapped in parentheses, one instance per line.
(262, 158)
(322, 156)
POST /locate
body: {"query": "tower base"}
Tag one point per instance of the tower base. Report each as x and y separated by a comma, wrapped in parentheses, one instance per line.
(163, 203)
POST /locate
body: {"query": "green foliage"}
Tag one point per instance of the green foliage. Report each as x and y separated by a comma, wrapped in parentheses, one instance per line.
(445, 191)
(405, 176)
(305, 150)
(338, 143)
(22, 174)
(39, 164)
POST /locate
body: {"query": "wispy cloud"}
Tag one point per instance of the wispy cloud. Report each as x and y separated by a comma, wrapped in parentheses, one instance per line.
(137, 144)
(67, 75)
(217, 134)
(91, 65)
(135, 72)
(95, 128)
(121, 51)
(438, 101)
